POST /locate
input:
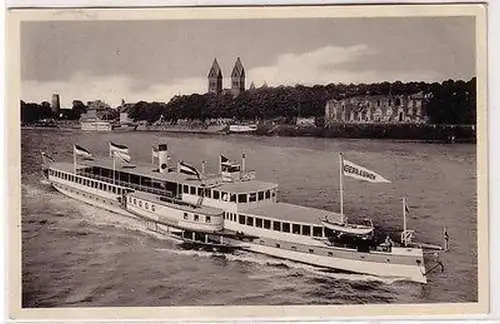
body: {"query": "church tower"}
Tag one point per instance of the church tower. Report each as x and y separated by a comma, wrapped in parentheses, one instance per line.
(215, 78)
(238, 78)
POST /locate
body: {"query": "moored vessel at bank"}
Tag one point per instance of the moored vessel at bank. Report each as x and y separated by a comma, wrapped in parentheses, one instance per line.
(231, 209)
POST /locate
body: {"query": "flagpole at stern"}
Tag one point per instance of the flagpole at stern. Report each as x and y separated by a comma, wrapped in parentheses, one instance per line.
(341, 185)
(404, 214)
(114, 167)
(74, 160)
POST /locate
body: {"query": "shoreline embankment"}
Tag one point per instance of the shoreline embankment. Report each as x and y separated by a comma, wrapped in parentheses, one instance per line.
(407, 132)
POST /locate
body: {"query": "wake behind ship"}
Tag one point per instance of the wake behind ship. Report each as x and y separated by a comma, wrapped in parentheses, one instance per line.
(232, 210)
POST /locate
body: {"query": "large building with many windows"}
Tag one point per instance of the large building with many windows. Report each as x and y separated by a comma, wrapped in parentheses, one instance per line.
(376, 109)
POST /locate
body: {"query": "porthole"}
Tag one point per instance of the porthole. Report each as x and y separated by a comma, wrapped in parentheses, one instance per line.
(140, 203)
(153, 207)
(146, 205)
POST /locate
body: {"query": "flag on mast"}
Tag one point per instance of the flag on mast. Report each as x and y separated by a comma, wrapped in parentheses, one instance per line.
(187, 169)
(78, 150)
(224, 160)
(358, 172)
(46, 157)
(124, 157)
(113, 147)
(407, 209)
(154, 153)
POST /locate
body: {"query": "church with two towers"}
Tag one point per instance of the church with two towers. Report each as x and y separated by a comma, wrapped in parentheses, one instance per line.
(215, 79)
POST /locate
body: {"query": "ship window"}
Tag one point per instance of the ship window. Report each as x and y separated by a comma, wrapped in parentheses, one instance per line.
(207, 219)
(267, 224)
(311, 251)
(146, 205)
(185, 216)
(208, 193)
(216, 194)
(294, 248)
(185, 189)
(119, 191)
(140, 203)
(242, 219)
(135, 201)
(242, 198)
(268, 194)
(196, 217)
(192, 190)
(224, 196)
(153, 208)
(286, 227)
(114, 189)
(306, 230)
(130, 199)
(232, 198)
(200, 191)
(295, 228)
(252, 197)
(273, 193)
(258, 222)
(249, 221)
(277, 245)
(261, 195)
(317, 231)
(277, 226)
(330, 253)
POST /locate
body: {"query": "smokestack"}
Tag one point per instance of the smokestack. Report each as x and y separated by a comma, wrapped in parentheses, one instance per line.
(162, 158)
(243, 158)
(56, 104)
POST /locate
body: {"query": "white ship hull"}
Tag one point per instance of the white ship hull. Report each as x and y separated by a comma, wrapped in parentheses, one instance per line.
(354, 264)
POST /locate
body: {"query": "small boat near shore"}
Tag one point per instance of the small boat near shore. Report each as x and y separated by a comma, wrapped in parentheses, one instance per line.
(231, 210)
(242, 128)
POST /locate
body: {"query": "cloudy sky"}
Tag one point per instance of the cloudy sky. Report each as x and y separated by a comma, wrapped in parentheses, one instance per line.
(154, 60)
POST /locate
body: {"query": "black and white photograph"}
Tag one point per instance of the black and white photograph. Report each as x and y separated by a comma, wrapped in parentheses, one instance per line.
(251, 157)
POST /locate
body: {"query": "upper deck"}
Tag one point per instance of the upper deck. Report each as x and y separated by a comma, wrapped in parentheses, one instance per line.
(291, 213)
(146, 177)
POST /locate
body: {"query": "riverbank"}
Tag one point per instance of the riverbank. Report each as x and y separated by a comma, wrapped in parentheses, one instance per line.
(412, 133)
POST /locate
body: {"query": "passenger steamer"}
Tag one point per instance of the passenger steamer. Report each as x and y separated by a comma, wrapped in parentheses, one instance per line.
(230, 210)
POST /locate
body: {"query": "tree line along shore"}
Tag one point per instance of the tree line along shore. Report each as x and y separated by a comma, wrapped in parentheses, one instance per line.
(450, 107)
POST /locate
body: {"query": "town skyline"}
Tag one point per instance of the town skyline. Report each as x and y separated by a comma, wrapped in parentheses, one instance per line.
(113, 60)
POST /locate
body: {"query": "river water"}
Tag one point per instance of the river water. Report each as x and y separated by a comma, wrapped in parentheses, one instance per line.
(77, 255)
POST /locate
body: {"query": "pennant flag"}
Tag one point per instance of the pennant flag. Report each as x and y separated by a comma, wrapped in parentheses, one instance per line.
(187, 169)
(406, 208)
(155, 152)
(78, 150)
(445, 234)
(358, 172)
(117, 147)
(125, 157)
(47, 157)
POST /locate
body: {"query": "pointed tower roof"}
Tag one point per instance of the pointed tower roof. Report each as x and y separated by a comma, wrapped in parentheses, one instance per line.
(238, 70)
(215, 71)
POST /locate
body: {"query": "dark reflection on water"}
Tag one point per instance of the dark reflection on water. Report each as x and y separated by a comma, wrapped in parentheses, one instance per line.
(77, 255)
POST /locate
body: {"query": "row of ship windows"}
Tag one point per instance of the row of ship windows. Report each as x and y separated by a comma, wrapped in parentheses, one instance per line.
(240, 198)
(196, 217)
(87, 182)
(89, 196)
(140, 203)
(278, 226)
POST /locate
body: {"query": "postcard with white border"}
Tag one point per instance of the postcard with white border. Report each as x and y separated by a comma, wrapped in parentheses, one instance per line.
(279, 162)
